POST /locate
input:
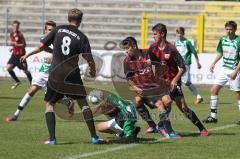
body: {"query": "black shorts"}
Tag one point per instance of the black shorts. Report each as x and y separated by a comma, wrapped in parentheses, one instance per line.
(151, 95)
(176, 92)
(52, 96)
(15, 61)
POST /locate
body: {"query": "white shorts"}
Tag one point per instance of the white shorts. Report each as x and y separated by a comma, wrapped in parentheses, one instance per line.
(41, 79)
(186, 78)
(112, 124)
(224, 76)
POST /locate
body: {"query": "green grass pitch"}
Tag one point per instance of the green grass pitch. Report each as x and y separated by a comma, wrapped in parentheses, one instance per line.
(23, 139)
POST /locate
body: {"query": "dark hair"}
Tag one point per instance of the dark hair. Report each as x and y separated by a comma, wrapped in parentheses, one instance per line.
(231, 23)
(129, 41)
(16, 22)
(160, 28)
(180, 30)
(50, 23)
(75, 15)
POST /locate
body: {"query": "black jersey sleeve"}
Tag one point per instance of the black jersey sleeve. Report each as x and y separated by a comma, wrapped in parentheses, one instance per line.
(86, 48)
(48, 40)
(178, 59)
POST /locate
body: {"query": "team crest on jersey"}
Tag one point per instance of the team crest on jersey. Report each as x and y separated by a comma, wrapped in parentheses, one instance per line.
(167, 56)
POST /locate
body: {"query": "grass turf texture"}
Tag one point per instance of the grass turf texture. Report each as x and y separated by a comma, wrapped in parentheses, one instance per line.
(23, 138)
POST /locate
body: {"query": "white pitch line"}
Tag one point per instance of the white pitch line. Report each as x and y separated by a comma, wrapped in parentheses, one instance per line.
(134, 145)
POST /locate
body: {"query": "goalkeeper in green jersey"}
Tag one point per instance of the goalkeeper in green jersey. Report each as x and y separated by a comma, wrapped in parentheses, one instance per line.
(122, 115)
(186, 49)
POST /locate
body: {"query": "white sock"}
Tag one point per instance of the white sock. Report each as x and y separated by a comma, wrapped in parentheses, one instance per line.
(115, 127)
(194, 91)
(23, 103)
(213, 102)
(239, 105)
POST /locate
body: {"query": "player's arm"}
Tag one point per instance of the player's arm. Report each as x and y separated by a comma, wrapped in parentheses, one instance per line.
(181, 66)
(135, 87)
(38, 49)
(129, 75)
(87, 55)
(218, 57)
(194, 52)
(235, 72)
(98, 107)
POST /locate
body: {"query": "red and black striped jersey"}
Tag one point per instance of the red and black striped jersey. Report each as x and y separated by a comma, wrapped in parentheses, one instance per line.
(167, 61)
(139, 70)
(19, 39)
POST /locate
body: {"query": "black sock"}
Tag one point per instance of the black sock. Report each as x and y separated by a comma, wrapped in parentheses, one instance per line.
(87, 113)
(144, 113)
(29, 76)
(194, 119)
(13, 75)
(165, 121)
(51, 124)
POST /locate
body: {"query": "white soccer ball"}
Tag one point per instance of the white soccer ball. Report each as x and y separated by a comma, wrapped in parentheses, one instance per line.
(93, 99)
(95, 96)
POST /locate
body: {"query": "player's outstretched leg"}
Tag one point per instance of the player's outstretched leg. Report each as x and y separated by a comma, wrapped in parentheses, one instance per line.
(195, 92)
(51, 124)
(25, 100)
(145, 115)
(88, 116)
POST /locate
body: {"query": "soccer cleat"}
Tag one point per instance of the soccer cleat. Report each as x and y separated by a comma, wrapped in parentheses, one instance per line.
(164, 133)
(70, 108)
(174, 135)
(15, 85)
(210, 120)
(150, 130)
(136, 131)
(204, 133)
(98, 141)
(198, 101)
(50, 142)
(11, 118)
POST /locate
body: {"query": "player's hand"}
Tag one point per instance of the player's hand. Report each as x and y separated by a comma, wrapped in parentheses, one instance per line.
(138, 90)
(212, 68)
(23, 58)
(173, 84)
(199, 66)
(234, 75)
(11, 50)
(13, 43)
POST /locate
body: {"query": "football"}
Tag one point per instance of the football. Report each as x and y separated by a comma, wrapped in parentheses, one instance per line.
(95, 96)
(93, 99)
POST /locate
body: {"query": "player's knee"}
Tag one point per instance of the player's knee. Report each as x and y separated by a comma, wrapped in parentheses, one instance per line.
(167, 101)
(214, 90)
(9, 69)
(49, 107)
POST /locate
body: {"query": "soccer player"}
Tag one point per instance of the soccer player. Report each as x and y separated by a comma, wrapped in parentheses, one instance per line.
(185, 48)
(18, 44)
(40, 80)
(140, 77)
(170, 66)
(64, 77)
(228, 48)
(122, 116)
